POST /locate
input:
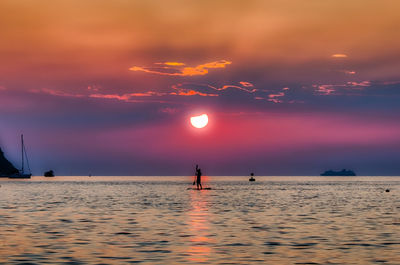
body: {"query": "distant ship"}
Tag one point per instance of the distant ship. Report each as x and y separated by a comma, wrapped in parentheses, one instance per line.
(10, 171)
(49, 174)
(344, 172)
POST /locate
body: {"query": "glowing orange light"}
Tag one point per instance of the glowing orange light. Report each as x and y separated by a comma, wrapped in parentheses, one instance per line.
(199, 121)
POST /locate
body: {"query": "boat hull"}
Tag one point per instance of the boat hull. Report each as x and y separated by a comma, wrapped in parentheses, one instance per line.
(20, 176)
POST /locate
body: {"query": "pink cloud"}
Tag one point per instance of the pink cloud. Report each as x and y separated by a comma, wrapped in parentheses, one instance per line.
(360, 84)
(169, 110)
(179, 69)
(246, 84)
(55, 92)
(111, 96)
(93, 88)
(391, 82)
(190, 92)
(280, 94)
(171, 63)
(275, 100)
(243, 88)
(339, 55)
(275, 97)
(129, 97)
(330, 89)
(325, 89)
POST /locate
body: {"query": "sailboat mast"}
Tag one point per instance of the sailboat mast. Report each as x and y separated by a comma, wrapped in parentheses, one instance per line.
(22, 152)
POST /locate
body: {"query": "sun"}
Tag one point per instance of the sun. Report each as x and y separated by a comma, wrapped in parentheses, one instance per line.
(200, 121)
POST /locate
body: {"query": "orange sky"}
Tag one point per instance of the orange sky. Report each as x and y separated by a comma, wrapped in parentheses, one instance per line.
(109, 37)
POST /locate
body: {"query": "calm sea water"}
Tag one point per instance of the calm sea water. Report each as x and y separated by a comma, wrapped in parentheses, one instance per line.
(157, 220)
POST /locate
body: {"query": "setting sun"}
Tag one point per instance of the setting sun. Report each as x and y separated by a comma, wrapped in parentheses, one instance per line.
(200, 121)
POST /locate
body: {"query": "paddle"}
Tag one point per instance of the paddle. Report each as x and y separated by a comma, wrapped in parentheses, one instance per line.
(194, 181)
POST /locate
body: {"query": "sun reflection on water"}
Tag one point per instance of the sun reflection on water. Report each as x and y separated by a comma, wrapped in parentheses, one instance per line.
(199, 226)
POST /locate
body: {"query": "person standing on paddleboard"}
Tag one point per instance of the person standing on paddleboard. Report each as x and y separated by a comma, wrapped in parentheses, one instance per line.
(198, 178)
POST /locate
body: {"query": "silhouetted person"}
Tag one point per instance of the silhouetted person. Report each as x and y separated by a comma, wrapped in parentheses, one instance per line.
(198, 178)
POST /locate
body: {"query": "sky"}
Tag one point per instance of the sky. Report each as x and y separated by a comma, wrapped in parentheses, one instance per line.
(291, 87)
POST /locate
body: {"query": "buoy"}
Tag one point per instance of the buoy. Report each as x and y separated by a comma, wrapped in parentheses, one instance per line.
(252, 177)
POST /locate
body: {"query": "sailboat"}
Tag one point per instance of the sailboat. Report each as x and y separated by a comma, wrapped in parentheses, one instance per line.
(21, 174)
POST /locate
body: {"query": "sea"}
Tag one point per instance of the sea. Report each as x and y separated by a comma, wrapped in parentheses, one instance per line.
(163, 220)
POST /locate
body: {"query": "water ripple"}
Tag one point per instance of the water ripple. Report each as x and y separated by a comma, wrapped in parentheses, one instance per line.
(139, 221)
